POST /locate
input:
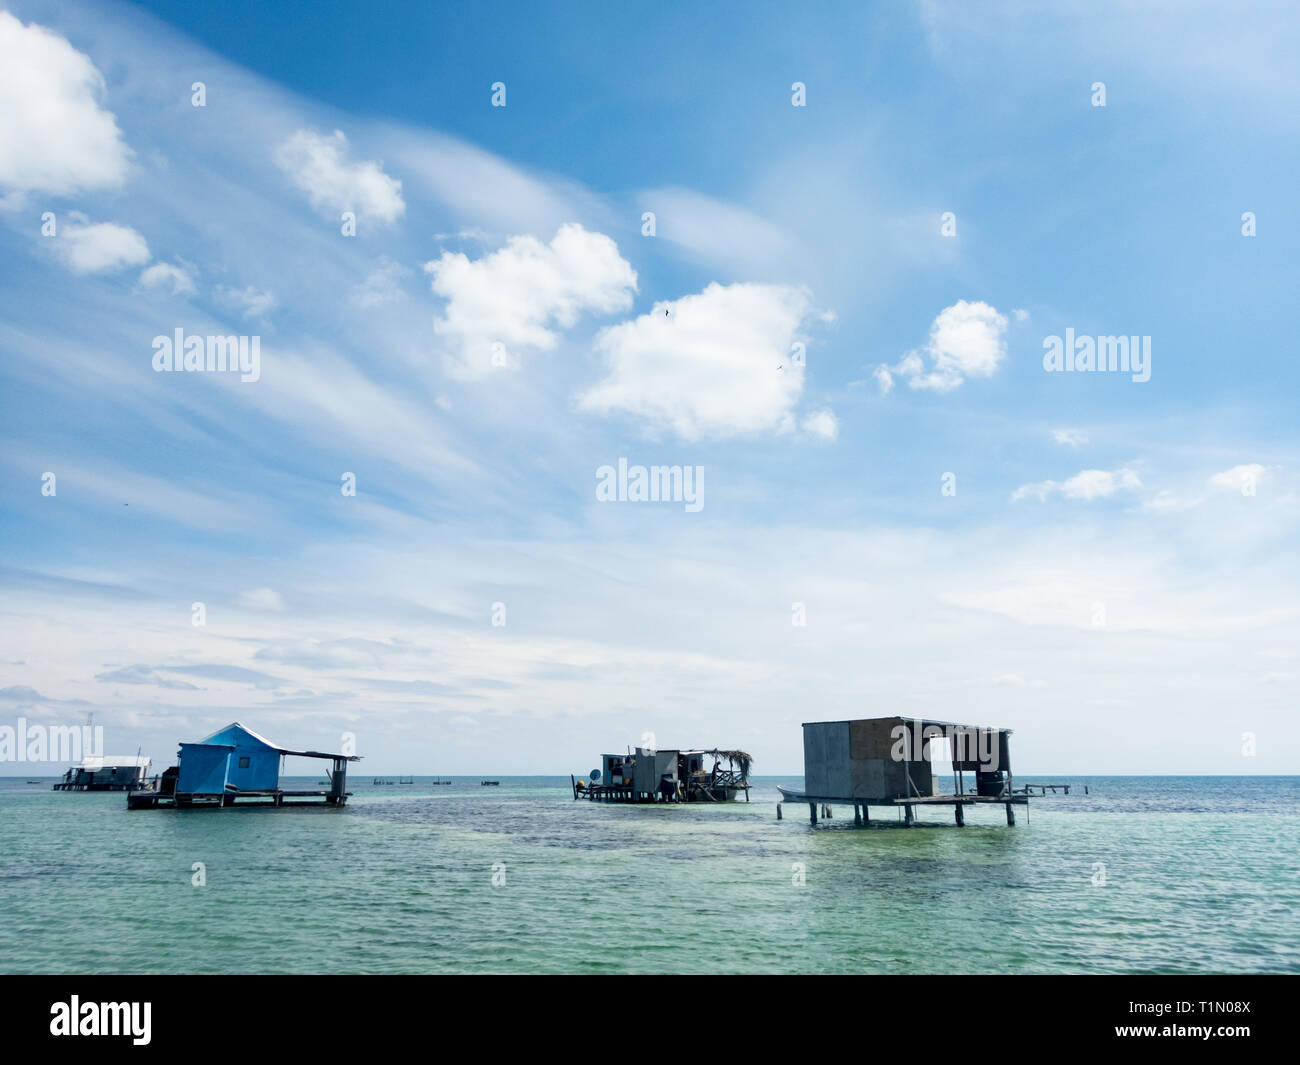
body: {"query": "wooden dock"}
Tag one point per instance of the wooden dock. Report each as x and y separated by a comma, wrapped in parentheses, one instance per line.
(153, 800)
(862, 811)
(607, 793)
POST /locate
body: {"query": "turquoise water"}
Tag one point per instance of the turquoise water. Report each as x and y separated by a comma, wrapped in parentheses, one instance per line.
(1202, 875)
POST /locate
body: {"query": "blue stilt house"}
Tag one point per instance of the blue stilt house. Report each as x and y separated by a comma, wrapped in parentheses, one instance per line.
(235, 764)
(233, 758)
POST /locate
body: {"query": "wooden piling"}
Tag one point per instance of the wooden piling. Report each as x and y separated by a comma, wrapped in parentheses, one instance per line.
(961, 816)
(812, 812)
(1011, 814)
(778, 811)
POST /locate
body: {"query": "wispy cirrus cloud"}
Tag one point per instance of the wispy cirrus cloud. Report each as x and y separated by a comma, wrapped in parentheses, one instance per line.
(1086, 485)
(147, 675)
(178, 279)
(1070, 437)
(718, 233)
(250, 301)
(261, 599)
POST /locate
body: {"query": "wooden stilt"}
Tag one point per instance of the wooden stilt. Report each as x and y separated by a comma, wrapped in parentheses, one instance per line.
(866, 814)
(1011, 814)
(857, 814)
(812, 812)
(907, 815)
(961, 816)
(778, 811)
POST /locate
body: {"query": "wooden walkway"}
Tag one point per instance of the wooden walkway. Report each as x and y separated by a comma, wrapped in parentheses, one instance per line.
(725, 789)
(862, 812)
(153, 800)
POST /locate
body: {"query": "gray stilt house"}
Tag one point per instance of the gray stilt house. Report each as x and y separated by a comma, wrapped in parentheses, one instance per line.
(650, 775)
(109, 772)
(888, 761)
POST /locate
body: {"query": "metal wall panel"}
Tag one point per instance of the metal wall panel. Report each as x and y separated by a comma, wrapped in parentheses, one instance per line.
(826, 767)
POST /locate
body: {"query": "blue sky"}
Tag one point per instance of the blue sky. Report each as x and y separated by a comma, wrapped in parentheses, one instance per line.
(1113, 575)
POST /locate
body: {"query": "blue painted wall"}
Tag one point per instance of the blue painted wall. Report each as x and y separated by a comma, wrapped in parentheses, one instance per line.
(231, 756)
(262, 768)
(203, 769)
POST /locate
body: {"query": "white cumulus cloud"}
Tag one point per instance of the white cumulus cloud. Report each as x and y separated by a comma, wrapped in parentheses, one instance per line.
(514, 299)
(967, 339)
(55, 137)
(1241, 479)
(1086, 485)
(715, 363)
(102, 247)
(822, 423)
(320, 167)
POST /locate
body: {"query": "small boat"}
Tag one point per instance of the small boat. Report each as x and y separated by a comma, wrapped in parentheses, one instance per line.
(487, 783)
(441, 780)
(790, 795)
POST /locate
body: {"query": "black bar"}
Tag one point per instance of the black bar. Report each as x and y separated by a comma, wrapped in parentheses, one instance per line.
(1026, 1015)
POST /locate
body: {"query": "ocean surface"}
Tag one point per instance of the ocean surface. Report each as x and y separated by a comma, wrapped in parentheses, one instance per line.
(1201, 875)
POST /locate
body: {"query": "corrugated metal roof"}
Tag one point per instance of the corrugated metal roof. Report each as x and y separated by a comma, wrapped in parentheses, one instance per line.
(273, 746)
(913, 721)
(104, 761)
(244, 728)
